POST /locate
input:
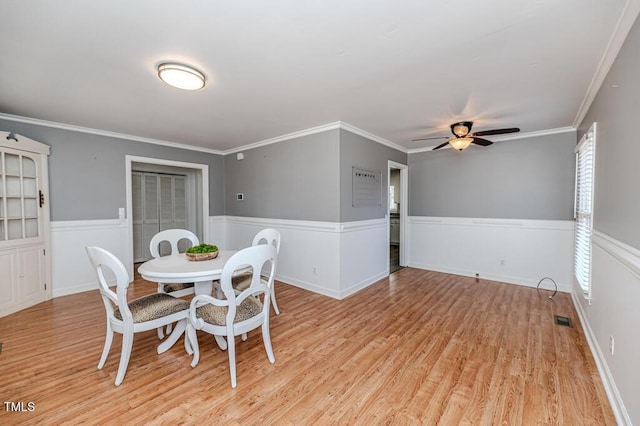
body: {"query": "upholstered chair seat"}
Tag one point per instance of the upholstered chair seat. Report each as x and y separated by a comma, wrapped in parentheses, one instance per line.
(217, 315)
(170, 288)
(153, 306)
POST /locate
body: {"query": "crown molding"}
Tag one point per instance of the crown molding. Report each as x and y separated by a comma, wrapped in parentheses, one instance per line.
(620, 33)
(74, 128)
(365, 134)
(288, 136)
(527, 135)
(319, 129)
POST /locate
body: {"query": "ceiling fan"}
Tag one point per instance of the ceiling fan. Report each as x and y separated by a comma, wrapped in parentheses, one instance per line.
(463, 136)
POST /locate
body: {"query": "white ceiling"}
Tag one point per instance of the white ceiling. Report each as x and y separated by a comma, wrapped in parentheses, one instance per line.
(397, 69)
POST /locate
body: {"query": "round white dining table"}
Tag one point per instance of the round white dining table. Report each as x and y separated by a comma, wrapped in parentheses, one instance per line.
(179, 269)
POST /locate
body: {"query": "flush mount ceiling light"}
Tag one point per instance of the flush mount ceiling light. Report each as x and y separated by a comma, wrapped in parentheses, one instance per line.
(181, 76)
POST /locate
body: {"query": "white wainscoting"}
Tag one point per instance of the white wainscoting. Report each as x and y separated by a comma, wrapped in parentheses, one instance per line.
(334, 259)
(330, 258)
(217, 234)
(613, 311)
(512, 251)
(70, 268)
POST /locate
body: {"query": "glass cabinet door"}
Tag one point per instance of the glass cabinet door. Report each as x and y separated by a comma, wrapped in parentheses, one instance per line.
(19, 196)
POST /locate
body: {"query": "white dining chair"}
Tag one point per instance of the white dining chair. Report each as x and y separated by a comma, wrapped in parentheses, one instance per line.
(146, 313)
(242, 280)
(237, 313)
(173, 238)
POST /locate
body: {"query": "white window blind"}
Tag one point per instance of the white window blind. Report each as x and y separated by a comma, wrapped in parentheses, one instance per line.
(585, 156)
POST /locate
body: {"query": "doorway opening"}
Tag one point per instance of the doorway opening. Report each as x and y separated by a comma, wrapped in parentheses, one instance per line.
(397, 215)
(164, 194)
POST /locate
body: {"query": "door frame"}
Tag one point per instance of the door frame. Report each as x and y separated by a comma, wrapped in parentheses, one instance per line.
(404, 203)
(204, 185)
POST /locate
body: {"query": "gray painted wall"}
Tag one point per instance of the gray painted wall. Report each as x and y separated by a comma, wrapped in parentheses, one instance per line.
(87, 172)
(530, 178)
(358, 151)
(295, 179)
(617, 170)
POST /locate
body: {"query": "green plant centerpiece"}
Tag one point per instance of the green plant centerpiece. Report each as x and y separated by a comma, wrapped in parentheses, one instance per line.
(202, 252)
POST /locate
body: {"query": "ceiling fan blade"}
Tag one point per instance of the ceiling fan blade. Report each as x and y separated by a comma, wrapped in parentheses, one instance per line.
(481, 142)
(428, 139)
(441, 146)
(497, 131)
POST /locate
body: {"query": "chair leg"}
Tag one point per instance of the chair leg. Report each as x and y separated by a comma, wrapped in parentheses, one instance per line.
(107, 346)
(187, 343)
(231, 348)
(273, 299)
(244, 337)
(222, 344)
(169, 328)
(127, 344)
(192, 336)
(266, 338)
(160, 333)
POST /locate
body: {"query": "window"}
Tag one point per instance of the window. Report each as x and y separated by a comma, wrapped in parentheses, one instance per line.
(585, 153)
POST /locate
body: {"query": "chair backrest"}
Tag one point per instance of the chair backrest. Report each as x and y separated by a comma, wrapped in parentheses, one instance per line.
(173, 237)
(258, 258)
(268, 236)
(106, 262)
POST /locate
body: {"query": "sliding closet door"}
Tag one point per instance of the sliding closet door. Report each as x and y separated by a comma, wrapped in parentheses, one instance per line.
(159, 203)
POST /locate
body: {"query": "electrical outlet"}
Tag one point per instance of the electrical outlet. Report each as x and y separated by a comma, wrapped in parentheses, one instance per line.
(611, 344)
(477, 276)
(502, 262)
(315, 270)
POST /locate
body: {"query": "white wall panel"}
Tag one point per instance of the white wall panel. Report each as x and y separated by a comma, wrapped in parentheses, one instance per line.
(309, 251)
(364, 254)
(512, 251)
(613, 311)
(70, 267)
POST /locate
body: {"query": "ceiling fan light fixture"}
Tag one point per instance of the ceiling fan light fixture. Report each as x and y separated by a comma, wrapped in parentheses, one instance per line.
(460, 143)
(461, 129)
(181, 76)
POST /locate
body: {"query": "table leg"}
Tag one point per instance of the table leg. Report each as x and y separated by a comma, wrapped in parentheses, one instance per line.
(203, 287)
(173, 337)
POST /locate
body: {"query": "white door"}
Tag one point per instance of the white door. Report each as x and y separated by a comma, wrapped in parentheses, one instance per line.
(24, 223)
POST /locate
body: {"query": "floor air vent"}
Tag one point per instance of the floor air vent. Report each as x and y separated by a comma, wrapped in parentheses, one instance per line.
(566, 321)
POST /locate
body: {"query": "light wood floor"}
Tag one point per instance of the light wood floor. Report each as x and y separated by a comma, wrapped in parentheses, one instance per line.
(418, 348)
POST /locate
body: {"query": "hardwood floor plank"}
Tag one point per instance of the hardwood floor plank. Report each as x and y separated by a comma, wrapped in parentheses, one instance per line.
(418, 347)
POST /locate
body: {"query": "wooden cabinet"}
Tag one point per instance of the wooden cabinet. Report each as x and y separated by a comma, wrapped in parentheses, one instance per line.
(24, 223)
